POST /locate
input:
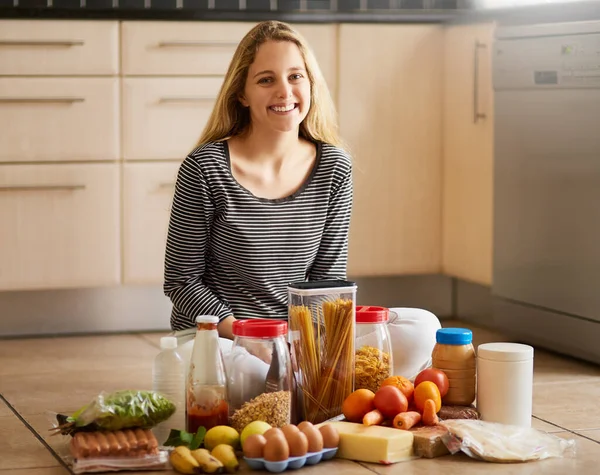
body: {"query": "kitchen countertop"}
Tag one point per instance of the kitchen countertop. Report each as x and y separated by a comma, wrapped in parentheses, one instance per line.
(39, 376)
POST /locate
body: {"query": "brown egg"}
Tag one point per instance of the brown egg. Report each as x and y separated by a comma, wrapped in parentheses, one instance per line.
(274, 431)
(276, 449)
(298, 443)
(304, 424)
(315, 439)
(254, 446)
(288, 430)
(331, 437)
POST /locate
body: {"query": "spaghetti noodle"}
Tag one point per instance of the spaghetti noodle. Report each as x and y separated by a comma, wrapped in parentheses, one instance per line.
(325, 356)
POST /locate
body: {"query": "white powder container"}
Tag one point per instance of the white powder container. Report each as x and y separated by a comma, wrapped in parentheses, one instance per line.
(505, 383)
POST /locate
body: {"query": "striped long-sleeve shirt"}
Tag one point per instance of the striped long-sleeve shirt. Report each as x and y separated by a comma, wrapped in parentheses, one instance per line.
(231, 253)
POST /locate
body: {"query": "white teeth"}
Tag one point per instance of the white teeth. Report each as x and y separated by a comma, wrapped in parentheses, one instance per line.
(283, 109)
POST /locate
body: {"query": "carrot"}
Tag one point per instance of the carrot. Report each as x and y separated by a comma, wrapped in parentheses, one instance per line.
(406, 420)
(373, 418)
(430, 417)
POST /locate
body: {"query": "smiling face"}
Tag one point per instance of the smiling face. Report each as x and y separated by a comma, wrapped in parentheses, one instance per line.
(277, 89)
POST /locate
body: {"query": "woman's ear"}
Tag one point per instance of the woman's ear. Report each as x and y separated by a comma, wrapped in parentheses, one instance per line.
(243, 101)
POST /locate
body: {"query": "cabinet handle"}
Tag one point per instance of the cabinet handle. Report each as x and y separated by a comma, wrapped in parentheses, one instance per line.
(59, 43)
(40, 100)
(196, 44)
(170, 100)
(476, 114)
(42, 188)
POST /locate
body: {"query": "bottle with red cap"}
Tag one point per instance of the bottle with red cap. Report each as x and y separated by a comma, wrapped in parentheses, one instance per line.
(259, 373)
(373, 359)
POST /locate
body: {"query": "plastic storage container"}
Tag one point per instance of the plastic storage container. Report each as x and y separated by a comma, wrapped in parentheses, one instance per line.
(505, 383)
(321, 319)
(454, 354)
(373, 357)
(206, 386)
(259, 374)
(168, 378)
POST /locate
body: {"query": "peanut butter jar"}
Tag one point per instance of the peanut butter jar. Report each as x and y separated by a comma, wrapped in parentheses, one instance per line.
(454, 354)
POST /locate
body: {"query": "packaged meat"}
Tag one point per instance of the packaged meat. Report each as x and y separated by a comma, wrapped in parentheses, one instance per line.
(458, 412)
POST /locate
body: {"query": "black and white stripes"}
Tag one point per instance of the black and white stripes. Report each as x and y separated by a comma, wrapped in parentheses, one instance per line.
(231, 253)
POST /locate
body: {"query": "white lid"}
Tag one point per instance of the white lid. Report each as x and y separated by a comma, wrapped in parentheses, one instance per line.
(168, 342)
(505, 352)
(207, 319)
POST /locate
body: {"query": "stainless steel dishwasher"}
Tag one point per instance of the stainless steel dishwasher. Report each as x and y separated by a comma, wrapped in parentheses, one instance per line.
(546, 278)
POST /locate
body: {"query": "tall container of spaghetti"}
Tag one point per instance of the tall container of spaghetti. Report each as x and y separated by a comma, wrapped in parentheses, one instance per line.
(321, 320)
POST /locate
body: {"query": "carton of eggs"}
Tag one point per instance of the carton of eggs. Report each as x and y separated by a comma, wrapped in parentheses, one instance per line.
(291, 447)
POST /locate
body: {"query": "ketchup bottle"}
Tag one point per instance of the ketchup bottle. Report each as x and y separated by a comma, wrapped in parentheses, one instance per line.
(206, 390)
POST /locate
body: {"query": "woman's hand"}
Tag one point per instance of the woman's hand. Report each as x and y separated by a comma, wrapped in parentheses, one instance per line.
(225, 327)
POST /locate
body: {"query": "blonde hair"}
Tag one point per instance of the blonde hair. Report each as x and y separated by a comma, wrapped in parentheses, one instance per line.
(230, 118)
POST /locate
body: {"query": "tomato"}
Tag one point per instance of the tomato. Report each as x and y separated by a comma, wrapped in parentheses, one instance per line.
(427, 390)
(390, 401)
(436, 376)
(402, 384)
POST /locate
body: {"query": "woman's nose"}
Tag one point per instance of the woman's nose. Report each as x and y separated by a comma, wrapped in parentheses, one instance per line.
(284, 91)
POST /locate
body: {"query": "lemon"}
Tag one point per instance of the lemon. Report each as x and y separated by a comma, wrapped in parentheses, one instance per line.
(256, 427)
(221, 435)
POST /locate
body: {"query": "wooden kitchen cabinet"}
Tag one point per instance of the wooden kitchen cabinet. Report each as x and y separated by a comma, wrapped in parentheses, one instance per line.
(163, 117)
(60, 226)
(390, 108)
(148, 193)
(59, 119)
(468, 153)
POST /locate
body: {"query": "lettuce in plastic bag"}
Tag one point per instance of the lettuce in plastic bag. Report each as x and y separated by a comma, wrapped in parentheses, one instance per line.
(118, 410)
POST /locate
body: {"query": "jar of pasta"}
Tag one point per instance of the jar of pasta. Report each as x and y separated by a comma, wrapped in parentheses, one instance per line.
(373, 361)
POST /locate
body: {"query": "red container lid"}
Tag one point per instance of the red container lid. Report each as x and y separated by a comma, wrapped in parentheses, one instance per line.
(260, 328)
(369, 314)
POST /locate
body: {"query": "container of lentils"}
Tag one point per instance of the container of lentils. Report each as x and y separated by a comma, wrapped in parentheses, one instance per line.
(259, 374)
(373, 359)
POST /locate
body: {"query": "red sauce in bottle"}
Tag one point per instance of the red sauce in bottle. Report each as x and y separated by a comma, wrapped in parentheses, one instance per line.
(200, 417)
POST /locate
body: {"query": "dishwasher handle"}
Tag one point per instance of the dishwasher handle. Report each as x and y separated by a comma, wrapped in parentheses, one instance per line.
(476, 113)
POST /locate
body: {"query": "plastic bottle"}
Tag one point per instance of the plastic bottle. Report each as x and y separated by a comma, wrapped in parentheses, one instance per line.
(168, 378)
(206, 385)
(454, 354)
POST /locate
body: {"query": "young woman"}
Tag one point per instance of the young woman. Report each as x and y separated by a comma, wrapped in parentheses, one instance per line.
(265, 199)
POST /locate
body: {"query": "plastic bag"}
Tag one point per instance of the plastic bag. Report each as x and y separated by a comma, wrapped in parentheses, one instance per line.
(502, 443)
(119, 410)
(158, 461)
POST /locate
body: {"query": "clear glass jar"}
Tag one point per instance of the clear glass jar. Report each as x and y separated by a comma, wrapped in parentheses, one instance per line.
(206, 386)
(259, 374)
(321, 316)
(373, 359)
(454, 354)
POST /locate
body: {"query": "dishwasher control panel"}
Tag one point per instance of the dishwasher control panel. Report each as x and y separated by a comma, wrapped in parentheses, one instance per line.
(569, 61)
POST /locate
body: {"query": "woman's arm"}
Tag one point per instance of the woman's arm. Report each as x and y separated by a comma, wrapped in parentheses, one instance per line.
(332, 257)
(188, 236)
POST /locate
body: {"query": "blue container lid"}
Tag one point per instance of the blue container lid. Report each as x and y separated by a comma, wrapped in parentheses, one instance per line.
(454, 336)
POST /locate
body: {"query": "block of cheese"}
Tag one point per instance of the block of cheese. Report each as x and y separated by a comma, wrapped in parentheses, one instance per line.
(376, 444)
(428, 441)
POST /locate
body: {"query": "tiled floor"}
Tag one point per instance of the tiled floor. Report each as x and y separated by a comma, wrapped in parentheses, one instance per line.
(42, 376)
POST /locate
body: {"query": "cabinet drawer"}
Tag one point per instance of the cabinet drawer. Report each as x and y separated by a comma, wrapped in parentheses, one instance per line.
(189, 48)
(49, 48)
(148, 192)
(164, 117)
(60, 226)
(59, 119)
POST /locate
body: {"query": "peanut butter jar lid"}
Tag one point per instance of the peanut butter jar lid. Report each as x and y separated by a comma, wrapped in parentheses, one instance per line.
(505, 351)
(454, 336)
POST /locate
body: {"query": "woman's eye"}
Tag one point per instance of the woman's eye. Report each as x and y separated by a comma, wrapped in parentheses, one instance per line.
(296, 76)
(264, 80)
